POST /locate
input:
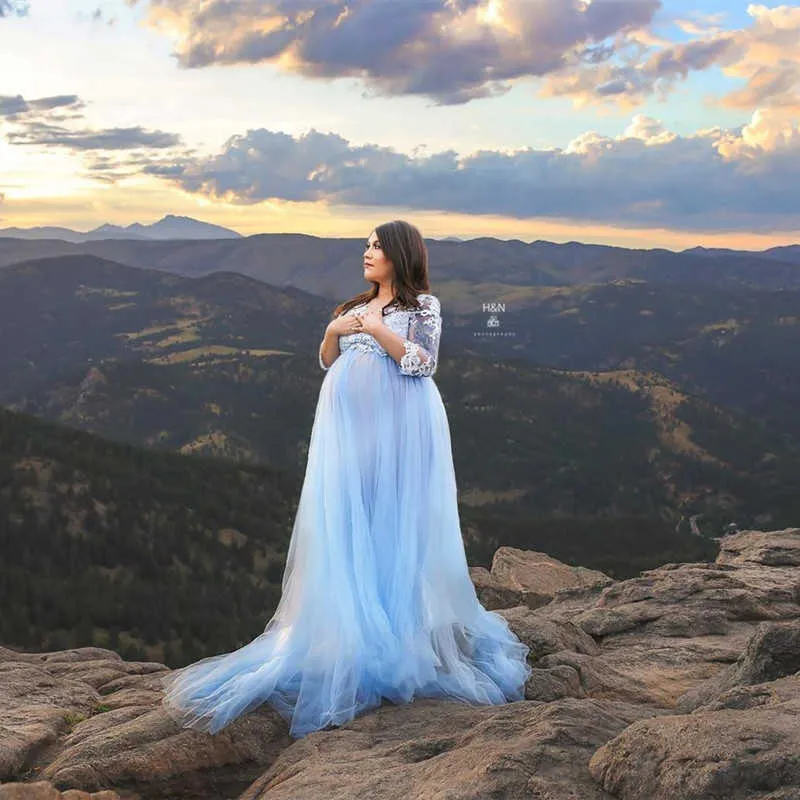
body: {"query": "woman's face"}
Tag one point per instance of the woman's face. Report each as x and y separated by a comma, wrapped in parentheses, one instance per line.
(377, 266)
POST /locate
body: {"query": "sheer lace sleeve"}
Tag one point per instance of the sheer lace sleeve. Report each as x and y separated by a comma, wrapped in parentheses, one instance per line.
(422, 344)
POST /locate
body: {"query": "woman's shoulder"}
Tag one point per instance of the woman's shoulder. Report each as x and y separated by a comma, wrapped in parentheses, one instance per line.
(428, 302)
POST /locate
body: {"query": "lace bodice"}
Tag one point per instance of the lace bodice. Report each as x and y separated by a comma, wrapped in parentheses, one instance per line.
(420, 328)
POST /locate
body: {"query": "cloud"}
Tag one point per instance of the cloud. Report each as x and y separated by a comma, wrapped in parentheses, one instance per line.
(40, 133)
(16, 7)
(769, 60)
(452, 51)
(17, 109)
(35, 122)
(647, 129)
(58, 121)
(595, 52)
(764, 56)
(725, 180)
(701, 24)
(11, 106)
(768, 132)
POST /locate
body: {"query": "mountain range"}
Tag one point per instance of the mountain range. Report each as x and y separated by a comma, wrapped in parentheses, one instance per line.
(477, 271)
(637, 405)
(172, 226)
(614, 400)
(168, 227)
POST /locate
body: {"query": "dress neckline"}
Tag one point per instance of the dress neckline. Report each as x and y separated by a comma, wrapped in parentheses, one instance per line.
(392, 309)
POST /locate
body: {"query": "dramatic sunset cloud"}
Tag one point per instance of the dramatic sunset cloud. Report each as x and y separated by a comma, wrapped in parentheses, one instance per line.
(452, 51)
(672, 123)
(712, 180)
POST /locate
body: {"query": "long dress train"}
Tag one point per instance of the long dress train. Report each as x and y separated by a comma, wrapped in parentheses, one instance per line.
(376, 600)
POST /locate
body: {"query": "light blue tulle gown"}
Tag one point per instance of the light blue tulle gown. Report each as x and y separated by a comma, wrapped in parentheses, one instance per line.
(377, 601)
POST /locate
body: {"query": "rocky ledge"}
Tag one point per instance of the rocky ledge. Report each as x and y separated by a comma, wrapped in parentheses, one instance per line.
(682, 683)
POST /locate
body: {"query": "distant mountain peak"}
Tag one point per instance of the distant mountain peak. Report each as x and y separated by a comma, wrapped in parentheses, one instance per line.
(170, 226)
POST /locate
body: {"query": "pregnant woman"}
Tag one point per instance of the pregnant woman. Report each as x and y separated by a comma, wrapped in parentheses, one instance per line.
(377, 602)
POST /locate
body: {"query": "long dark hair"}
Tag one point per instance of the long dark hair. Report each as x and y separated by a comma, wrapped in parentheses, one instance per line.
(405, 248)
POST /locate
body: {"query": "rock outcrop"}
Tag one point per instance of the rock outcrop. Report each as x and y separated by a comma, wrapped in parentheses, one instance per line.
(530, 578)
(681, 683)
(44, 790)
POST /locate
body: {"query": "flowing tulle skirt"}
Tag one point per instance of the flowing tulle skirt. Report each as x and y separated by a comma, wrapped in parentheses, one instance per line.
(377, 601)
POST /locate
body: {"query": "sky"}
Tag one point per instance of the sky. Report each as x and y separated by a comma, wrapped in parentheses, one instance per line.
(638, 123)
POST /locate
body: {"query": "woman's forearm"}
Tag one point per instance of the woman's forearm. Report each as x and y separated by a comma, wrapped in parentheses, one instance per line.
(329, 349)
(390, 341)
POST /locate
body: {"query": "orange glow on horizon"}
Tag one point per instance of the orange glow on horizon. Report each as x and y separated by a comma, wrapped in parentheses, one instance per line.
(84, 210)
